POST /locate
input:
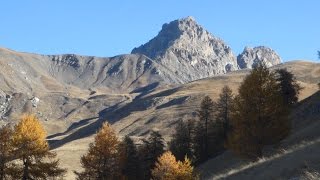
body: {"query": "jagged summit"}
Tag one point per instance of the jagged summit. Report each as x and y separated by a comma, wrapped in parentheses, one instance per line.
(189, 50)
(251, 56)
(188, 18)
(169, 33)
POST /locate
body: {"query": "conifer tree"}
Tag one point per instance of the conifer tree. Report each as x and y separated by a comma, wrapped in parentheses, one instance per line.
(180, 145)
(259, 117)
(289, 87)
(6, 151)
(198, 143)
(151, 149)
(31, 148)
(224, 104)
(204, 133)
(103, 159)
(131, 165)
(168, 168)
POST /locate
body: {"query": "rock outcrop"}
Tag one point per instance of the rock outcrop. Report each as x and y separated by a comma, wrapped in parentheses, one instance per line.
(252, 56)
(189, 51)
(4, 103)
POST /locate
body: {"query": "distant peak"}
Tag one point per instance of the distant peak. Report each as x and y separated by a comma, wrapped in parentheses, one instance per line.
(180, 34)
(251, 56)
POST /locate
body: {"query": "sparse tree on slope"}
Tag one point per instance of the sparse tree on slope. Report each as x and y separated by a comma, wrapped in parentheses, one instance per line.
(167, 168)
(103, 160)
(31, 148)
(289, 87)
(180, 145)
(259, 116)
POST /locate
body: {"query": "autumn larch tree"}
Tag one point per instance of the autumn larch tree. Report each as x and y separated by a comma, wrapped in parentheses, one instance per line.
(151, 149)
(259, 116)
(168, 168)
(103, 159)
(181, 142)
(289, 87)
(6, 154)
(31, 149)
(131, 167)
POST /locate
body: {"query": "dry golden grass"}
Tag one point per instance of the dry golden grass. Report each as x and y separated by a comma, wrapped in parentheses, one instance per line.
(70, 155)
(140, 120)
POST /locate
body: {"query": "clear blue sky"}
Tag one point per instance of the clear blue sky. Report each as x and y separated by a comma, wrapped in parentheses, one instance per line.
(110, 27)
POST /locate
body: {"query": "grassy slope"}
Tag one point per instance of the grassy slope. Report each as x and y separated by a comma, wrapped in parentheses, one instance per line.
(294, 155)
(137, 118)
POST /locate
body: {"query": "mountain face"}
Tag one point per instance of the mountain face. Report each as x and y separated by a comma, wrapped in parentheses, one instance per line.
(250, 57)
(189, 51)
(74, 87)
(25, 72)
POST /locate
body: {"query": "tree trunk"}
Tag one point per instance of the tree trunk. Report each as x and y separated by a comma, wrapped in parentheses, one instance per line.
(2, 172)
(25, 170)
(206, 140)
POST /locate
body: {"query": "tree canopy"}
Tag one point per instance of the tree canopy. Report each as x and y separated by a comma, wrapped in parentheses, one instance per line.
(168, 168)
(289, 87)
(224, 104)
(181, 143)
(259, 116)
(131, 165)
(102, 160)
(31, 148)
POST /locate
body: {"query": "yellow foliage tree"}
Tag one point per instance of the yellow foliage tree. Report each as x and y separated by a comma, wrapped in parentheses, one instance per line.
(30, 136)
(168, 168)
(103, 160)
(32, 149)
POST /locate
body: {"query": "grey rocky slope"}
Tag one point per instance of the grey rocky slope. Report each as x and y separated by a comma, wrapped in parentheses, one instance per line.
(189, 51)
(23, 72)
(251, 56)
(72, 87)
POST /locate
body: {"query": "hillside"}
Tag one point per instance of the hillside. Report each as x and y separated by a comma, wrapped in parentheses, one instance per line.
(294, 155)
(161, 109)
(73, 95)
(76, 87)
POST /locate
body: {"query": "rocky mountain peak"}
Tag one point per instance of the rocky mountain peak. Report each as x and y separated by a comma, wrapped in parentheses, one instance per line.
(252, 56)
(189, 50)
(185, 25)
